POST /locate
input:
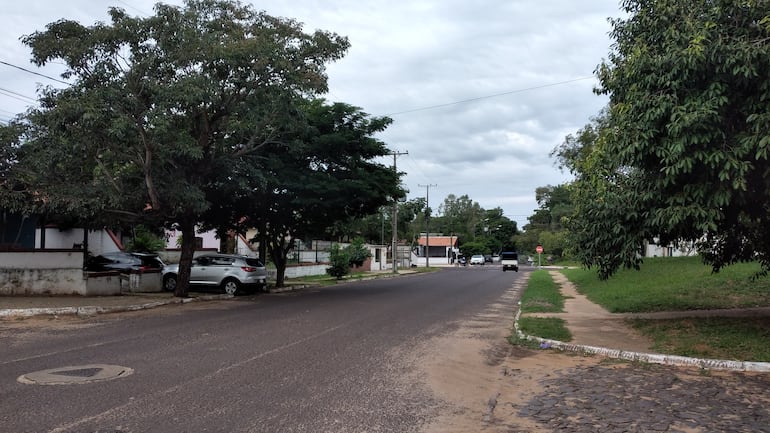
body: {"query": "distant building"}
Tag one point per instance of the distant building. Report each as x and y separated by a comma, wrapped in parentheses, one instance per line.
(437, 249)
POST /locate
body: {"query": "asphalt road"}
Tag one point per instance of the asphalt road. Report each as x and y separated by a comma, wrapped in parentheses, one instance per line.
(328, 360)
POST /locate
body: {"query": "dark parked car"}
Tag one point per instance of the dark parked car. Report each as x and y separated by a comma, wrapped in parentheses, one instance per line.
(124, 262)
(229, 272)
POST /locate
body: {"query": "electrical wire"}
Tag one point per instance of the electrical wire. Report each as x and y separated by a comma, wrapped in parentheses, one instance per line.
(11, 92)
(448, 104)
(35, 73)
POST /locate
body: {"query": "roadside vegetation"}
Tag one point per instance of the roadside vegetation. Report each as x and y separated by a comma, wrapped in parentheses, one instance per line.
(674, 284)
(682, 284)
(740, 339)
(543, 296)
(330, 280)
(551, 328)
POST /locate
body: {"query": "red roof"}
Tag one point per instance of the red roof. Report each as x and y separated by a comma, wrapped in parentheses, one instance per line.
(438, 241)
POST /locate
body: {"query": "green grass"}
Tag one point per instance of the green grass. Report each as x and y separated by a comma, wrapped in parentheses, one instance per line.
(674, 284)
(542, 295)
(328, 280)
(547, 327)
(681, 284)
(743, 339)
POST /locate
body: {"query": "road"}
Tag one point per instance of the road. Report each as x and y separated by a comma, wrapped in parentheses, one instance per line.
(336, 359)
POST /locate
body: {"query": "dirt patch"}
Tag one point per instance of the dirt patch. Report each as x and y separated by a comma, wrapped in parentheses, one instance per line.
(479, 376)
(484, 384)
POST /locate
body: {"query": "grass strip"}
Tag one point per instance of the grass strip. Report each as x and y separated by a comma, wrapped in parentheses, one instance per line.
(739, 339)
(542, 294)
(551, 328)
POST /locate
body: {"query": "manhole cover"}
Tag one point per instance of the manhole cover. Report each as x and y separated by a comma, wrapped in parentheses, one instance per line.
(83, 372)
(75, 374)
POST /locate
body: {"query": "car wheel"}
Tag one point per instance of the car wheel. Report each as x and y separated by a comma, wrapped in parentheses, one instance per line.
(169, 283)
(231, 286)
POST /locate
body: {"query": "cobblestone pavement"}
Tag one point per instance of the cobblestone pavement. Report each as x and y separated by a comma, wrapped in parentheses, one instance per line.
(624, 397)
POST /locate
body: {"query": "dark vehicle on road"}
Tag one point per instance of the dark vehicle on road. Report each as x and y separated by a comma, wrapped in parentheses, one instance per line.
(232, 273)
(124, 262)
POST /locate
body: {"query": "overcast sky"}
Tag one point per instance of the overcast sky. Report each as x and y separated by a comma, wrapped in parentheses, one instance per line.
(480, 91)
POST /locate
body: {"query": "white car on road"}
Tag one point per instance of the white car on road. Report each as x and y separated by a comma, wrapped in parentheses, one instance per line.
(477, 260)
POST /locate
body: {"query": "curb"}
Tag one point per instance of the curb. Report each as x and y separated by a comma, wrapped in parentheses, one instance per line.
(94, 310)
(651, 358)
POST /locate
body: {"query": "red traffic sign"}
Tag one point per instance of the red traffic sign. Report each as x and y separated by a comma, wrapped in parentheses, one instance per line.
(539, 249)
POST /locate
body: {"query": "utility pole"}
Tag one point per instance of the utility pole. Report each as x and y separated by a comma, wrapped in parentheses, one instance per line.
(395, 215)
(427, 218)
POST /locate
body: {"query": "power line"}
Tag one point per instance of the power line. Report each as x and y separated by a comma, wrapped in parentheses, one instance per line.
(134, 8)
(35, 73)
(448, 104)
(7, 92)
(12, 96)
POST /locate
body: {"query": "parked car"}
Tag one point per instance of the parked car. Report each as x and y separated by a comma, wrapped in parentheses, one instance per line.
(124, 262)
(477, 260)
(232, 273)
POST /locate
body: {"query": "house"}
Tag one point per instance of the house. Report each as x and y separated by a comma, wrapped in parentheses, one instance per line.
(654, 249)
(47, 259)
(435, 249)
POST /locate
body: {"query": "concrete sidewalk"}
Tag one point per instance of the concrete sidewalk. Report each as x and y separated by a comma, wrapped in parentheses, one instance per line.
(40, 305)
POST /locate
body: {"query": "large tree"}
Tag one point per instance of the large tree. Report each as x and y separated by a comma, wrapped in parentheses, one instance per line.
(327, 173)
(684, 152)
(166, 113)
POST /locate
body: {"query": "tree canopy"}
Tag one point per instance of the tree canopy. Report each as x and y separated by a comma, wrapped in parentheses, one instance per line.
(548, 224)
(682, 153)
(166, 115)
(324, 173)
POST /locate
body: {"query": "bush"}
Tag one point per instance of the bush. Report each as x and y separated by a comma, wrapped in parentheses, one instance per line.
(145, 241)
(340, 262)
(357, 252)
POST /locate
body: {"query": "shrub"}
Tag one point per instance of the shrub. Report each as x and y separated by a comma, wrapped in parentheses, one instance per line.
(357, 252)
(145, 241)
(340, 262)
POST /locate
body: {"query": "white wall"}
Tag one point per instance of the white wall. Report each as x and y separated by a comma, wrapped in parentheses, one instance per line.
(99, 241)
(55, 272)
(209, 238)
(655, 250)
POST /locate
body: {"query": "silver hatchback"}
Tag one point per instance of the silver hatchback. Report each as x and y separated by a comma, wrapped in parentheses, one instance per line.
(231, 273)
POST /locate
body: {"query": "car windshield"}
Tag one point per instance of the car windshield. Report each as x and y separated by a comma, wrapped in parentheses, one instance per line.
(253, 262)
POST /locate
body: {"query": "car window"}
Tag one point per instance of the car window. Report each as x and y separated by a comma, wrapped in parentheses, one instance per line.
(222, 261)
(254, 262)
(202, 261)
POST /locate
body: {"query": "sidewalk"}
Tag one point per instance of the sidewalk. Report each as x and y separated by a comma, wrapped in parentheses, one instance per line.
(16, 306)
(28, 306)
(597, 331)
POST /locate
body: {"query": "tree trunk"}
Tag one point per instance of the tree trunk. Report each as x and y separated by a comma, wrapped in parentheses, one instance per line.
(278, 255)
(185, 258)
(262, 239)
